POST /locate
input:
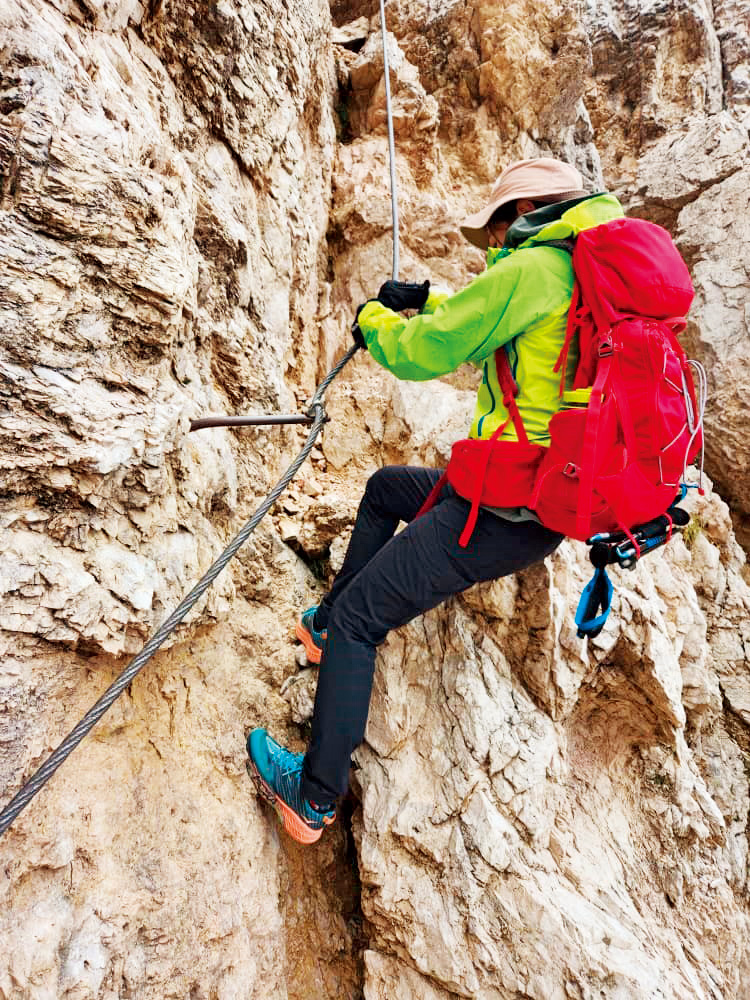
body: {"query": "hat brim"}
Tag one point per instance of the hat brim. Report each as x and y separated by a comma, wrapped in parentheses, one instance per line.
(474, 227)
(478, 237)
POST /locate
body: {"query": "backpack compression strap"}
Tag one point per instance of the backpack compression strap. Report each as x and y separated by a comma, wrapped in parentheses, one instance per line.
(510, 391)
(576, 313)
(591, 439)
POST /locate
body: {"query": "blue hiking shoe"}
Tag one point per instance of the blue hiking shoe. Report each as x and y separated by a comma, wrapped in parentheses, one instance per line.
(277, 773)
(310, 638)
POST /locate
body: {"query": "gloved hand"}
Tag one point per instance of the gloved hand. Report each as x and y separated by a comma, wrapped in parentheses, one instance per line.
(357, 335)
(398, 295)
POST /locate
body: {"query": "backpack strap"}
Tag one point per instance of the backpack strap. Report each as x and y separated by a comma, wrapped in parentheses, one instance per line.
(593, 607)
(510, 390)
(626, 415)
(591, 438)
(476, 498)
(568, 245)
(432, 496)
(577, 312)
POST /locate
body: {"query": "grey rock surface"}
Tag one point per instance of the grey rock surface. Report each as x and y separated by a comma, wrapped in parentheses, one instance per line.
(193, 201)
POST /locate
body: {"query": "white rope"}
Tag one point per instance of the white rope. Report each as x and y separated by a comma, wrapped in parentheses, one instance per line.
(391, 143)
(695, 420)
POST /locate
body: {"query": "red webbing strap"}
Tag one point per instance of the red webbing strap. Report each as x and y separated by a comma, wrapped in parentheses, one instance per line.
(476, 498)
(510, 391)
(590, 443)
(573, 320)
(632, 538)
(432, 496)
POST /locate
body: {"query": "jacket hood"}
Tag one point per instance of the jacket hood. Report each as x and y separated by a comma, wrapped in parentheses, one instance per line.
(563, 220)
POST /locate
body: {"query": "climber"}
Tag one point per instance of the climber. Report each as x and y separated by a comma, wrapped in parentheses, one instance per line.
(520, 302)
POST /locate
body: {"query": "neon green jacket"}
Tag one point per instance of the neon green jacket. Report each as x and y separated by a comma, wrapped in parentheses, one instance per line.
(520, 302)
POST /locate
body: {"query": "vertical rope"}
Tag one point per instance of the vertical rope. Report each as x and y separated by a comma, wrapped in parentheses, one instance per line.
(391, 142)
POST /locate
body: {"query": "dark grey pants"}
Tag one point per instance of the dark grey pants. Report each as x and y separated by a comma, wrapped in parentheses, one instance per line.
(385, 581)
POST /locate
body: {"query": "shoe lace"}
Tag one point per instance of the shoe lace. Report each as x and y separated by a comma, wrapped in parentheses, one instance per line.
(289, 765)
(286, 760)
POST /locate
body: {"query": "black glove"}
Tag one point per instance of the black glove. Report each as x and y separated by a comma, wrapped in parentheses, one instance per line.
(357, 334)
(398, 295)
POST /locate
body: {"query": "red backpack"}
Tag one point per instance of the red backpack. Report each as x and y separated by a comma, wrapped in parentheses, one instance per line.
(617, 460)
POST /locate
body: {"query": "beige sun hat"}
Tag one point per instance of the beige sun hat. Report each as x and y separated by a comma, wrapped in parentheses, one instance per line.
(537, 180)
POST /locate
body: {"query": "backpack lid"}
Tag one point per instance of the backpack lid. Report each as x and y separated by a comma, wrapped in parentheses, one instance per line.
(630, 267)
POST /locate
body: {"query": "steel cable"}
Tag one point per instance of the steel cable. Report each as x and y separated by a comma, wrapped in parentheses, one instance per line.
(22, 798)
(315, 411)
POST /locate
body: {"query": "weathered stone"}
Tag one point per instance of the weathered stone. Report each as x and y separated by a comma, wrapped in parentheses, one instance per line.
(679, 169)
(655, 67)
(154, 175)
(733, 30)
(324, 521)
(181, 234)
(715, 232)
(412, 108)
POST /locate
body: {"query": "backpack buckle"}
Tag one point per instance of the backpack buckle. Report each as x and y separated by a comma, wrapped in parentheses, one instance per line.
(570, 469)
(606, 349)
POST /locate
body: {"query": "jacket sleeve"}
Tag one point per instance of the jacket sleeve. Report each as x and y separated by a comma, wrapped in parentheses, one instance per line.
(436, 298)
(470, 325)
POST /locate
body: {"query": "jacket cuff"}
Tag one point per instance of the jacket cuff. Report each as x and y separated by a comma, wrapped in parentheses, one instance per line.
(436, 298)
(371, 316)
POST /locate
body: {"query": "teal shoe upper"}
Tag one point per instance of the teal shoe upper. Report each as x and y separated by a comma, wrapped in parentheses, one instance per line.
(308, 619)
(281, 769)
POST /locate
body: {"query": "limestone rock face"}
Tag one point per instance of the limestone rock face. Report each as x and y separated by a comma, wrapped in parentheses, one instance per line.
(146, 277)
(156, 168)
(678, 152)
(733, 31)
(193, 201)
(506, 863)
(654, 67)
(412, 107)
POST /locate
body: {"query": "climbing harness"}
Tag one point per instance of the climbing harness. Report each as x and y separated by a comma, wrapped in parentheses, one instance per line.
(316, 417)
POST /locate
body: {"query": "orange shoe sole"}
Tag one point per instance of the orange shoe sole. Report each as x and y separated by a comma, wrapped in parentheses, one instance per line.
(294, 825)
(313, 652)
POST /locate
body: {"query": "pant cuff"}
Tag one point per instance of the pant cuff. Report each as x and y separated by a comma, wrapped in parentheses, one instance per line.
(313, 791)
